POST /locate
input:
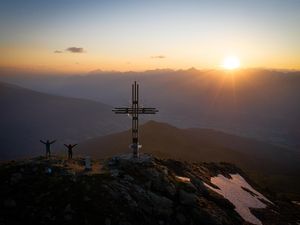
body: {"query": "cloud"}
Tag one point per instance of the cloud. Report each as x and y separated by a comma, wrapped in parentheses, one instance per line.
(158, 57)
(57, 51)
(75, 50)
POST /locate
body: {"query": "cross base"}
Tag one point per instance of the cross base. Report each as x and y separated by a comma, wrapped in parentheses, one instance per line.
(135, 150)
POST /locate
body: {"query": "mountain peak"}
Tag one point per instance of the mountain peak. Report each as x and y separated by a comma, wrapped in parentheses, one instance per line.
(154, 123)
(123, 190)
(192, 69)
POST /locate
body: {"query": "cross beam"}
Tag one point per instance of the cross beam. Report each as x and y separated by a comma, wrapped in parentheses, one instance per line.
(135, 110)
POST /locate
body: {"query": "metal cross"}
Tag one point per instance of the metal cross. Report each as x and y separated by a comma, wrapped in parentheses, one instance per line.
(135, 111)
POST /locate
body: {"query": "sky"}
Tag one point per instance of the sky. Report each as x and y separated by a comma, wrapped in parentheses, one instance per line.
(87, 35)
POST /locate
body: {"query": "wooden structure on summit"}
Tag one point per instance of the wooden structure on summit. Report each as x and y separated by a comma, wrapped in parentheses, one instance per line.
(135, 110)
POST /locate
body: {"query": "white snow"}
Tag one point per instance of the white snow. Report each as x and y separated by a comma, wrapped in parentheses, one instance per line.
(183, 179)
(296, 202)
(231, 189)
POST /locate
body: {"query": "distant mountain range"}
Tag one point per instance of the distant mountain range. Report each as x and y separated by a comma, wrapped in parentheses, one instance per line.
(260, 104)
(269, 165)
(251, 102)
(27, 116)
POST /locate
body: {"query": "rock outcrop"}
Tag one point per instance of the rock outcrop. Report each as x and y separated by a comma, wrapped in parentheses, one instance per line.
(122, 190)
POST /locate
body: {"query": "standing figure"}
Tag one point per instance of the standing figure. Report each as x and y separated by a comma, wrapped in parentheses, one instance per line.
(70, 150)
(48, 144)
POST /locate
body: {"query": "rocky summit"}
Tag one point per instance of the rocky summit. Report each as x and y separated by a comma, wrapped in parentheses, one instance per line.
(126, 191)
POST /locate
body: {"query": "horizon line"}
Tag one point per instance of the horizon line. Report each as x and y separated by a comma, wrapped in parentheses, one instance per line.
(94, 71)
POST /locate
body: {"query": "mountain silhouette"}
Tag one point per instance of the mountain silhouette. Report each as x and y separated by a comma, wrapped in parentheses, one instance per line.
(257, 103)
(270, 165)
(27, 116)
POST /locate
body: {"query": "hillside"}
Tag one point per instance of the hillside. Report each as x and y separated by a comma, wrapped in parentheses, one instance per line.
(269, 165)
(27, 116)
(147, 191)
(257, 103)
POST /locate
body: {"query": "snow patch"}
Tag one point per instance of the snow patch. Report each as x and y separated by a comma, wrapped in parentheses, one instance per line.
(183, 179)
(240, 194)
(296, 202)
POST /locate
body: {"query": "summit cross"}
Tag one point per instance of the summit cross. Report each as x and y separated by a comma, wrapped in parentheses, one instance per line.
(135, 110)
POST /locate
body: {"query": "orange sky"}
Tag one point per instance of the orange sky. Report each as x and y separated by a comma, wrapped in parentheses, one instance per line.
(140, 35)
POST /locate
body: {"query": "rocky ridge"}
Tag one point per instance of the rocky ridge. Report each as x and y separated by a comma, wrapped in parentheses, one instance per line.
(122, 190)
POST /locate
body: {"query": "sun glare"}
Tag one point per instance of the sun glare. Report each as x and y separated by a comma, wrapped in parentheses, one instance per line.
(231, 63)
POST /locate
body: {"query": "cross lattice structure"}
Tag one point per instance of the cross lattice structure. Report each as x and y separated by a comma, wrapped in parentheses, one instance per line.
(135, 110)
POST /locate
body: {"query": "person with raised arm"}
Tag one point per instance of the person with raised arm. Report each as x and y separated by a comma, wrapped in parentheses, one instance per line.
(70, 150)
(48, 147)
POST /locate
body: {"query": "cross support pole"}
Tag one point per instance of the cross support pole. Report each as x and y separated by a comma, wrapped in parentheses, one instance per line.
(135, 110)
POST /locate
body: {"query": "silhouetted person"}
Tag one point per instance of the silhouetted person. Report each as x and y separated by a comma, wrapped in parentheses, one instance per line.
(70, 150)
(48, 144)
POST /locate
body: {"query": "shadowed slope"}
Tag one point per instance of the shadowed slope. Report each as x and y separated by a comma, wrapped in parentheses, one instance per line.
(257, 103)
(269, 164)
(27, 116)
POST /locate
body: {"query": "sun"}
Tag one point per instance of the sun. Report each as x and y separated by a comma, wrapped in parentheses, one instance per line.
(231, 63)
